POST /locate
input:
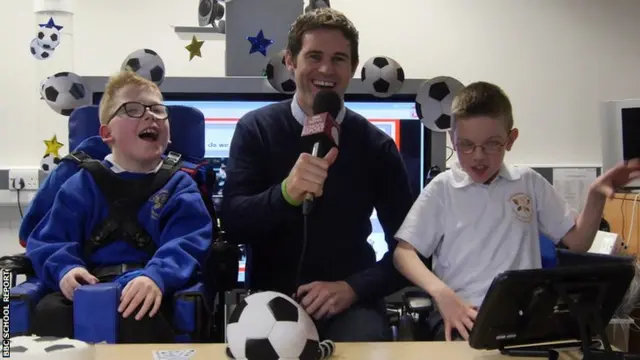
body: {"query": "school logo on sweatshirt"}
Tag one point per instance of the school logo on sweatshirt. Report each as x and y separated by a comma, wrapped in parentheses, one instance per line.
(158, 200)
(521, 206)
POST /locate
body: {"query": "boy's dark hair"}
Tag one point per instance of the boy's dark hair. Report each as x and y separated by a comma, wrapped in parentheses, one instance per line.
(483, 99)
(323, 18)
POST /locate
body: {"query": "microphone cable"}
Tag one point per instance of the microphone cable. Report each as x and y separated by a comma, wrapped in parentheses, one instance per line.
(307, 205)
(305, 235)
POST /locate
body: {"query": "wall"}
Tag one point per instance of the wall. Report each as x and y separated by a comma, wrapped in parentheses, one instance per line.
(556, 59)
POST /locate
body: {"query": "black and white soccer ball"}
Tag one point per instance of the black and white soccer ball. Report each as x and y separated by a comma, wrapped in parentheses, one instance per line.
(38, 52)
(146, 63)
(66, 91)
(279, 76)
(382, 76)
(41, 88)
(317, 4)
(49, 162)
(434, 100)
(50, 348)
(270, 326)
(48, 38)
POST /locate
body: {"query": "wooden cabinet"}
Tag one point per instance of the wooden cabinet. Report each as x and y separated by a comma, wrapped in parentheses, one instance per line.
(623, 215)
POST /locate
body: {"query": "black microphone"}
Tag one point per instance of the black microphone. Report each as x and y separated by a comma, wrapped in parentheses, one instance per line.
(321, 132)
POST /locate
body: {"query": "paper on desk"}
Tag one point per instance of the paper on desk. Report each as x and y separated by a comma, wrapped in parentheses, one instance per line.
(573, 184)
(173, 354)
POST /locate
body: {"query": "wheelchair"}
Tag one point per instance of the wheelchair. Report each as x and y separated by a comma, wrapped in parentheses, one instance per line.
(95, 306)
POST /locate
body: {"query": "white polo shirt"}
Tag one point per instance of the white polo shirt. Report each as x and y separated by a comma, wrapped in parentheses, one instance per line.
(476, 231)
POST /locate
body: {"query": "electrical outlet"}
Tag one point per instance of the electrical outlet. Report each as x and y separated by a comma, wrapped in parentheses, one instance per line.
(30, 178)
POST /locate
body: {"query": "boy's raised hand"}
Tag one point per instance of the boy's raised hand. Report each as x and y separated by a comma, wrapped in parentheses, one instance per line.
(75, 278)
(140, 291)
(612, 180)
(456, 314)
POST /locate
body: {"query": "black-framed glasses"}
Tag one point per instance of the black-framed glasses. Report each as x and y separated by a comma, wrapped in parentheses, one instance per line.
(490, 147)
(135, 109)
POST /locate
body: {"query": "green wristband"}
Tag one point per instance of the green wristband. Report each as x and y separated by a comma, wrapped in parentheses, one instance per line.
(286, 196)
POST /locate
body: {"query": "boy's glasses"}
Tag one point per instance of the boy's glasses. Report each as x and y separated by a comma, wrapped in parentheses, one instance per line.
(491, 147)
(137, 110)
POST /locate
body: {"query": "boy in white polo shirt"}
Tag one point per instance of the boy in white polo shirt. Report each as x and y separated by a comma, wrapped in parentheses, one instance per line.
(483, 217)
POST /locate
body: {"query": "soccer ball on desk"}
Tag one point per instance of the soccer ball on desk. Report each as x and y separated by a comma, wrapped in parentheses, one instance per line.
(382, 76)
(49, 348)
(270, 326)
(434, 100)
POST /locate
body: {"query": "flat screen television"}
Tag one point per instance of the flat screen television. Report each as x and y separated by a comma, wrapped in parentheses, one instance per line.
(224, 100)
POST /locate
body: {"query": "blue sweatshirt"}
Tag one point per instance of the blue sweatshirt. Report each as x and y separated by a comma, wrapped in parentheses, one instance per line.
(180, 226)
(42, 202)
(368, 173)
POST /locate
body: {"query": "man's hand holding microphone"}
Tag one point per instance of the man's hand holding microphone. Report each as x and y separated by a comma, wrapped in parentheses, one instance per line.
(320, 134)
(308, 175)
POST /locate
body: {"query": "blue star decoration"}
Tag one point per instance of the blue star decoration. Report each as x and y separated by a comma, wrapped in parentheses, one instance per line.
(259, 43)
(51, 24)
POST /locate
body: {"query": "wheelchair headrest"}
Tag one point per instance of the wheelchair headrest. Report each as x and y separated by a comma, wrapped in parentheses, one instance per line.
(186, 123)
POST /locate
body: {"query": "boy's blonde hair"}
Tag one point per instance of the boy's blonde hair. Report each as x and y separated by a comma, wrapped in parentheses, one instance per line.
(118, 82)
(482, 99)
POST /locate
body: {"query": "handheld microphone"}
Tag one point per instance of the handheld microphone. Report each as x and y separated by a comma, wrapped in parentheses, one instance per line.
(321, 130)
(321, 133)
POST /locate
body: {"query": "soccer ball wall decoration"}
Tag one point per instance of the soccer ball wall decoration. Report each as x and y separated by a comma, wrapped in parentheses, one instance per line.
(49, 162)
(64, 92)
(382, 76)
(146, 63)
(45, 42)
(38, 51)
(434, 100)
(278, 75)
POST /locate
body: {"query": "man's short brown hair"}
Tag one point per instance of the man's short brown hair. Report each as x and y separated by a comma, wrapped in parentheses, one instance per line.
(483, 99)
(118, 82)
(323, 18)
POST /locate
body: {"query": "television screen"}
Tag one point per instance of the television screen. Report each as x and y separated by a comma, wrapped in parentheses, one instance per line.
(397, 119)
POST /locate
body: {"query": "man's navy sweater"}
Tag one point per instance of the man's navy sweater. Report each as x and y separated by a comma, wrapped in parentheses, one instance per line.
(368, 173)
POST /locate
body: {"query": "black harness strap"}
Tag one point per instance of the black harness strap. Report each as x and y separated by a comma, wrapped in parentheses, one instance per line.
(125, 197)
(77, 156)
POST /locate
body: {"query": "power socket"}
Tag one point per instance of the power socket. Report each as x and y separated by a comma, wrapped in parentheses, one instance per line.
(30, 177)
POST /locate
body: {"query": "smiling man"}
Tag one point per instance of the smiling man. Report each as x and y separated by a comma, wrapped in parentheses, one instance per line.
(269, 172)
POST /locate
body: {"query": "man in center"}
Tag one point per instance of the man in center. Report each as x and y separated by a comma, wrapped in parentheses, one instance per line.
(270, 170)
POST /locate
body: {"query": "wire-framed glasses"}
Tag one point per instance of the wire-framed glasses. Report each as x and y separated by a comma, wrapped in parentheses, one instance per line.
(490, 147)
(135, 109)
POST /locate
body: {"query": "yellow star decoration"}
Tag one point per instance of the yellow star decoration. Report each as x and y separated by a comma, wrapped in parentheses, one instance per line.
(53, 146)
(194, 48)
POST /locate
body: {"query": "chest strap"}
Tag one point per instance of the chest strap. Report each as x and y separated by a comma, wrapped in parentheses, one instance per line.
(125, 197)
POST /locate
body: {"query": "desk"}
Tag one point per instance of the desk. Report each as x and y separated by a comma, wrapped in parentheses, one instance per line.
(344, 351)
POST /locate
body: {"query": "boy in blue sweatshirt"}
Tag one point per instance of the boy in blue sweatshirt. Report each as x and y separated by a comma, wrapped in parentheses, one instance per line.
(134, 124)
